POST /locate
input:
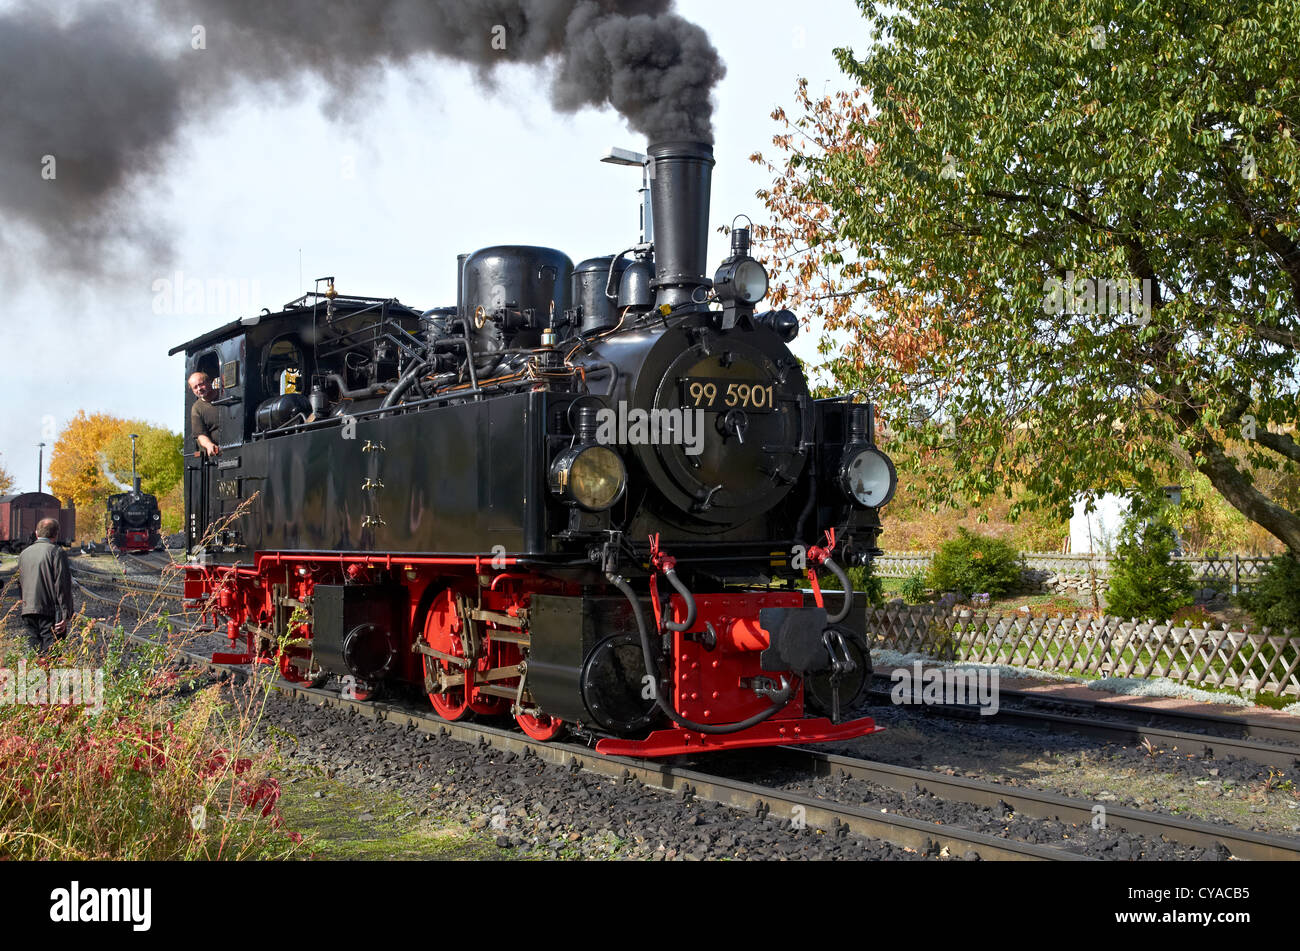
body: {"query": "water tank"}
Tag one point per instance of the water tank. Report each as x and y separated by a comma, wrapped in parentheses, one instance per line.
(518, 288)
(590, 279)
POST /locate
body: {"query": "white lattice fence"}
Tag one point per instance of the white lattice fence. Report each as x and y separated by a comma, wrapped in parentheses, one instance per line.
(894, 564)
(1199, 657)
(1054, 570)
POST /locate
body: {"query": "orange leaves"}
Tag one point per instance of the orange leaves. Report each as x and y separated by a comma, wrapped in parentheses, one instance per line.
(75, 472)
(91, 444)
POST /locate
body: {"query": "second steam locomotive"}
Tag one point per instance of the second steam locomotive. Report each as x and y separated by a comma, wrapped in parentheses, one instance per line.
(586, 497)
(134, 521)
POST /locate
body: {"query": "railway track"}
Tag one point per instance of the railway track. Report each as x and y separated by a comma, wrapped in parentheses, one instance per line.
(1242, 843)
(839, 818)
(1268, 745)
(835, 818)
(832, 817)
(1224, 725)
(84, 579)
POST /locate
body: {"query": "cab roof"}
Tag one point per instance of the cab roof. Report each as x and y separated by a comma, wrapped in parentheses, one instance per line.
(304, 306)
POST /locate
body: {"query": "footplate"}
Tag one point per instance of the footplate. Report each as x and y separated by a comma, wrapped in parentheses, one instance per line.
(676, 742)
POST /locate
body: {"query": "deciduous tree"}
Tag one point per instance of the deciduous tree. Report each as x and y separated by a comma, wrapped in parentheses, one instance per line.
(91, 460)
(158, 457)
(1062, 241)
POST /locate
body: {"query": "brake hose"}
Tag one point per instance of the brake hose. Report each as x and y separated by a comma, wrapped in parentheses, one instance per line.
(653, 668)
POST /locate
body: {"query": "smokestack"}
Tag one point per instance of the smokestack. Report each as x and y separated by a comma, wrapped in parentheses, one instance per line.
(135, 478)
(680, 181)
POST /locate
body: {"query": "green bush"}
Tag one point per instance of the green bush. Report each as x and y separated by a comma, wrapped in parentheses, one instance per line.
(914, 589)
(1145, 582)
(973, 564)
(867, 586)
(1275, 600)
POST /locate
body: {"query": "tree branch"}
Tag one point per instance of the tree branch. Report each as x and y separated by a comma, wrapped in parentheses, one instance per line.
(1280, 443)
(1232, 483)
(1242, 495)
(1285, 250)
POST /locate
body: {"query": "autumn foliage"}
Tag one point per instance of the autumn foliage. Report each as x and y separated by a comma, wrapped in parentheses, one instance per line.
(91, 460)
(983, 156)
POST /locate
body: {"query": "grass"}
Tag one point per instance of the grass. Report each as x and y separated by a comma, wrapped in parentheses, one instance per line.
(343, 822)
(159, 767)
(1272, 700)
(1041, 605)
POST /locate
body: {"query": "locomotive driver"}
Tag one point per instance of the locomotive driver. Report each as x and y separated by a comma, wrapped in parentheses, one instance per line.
(205, 420)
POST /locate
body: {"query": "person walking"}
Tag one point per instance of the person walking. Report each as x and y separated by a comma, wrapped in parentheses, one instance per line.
(47, 588)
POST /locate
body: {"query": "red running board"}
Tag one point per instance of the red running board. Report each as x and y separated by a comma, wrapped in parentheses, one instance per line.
(769, 733)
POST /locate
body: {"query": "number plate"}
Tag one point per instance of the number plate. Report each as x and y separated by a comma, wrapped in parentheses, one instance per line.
(718, 396)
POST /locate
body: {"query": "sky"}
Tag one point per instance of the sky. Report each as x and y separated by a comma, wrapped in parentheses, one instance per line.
(428, 165)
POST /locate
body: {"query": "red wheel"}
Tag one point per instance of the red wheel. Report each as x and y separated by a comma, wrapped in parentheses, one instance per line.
(542, 727)
(451, 703)
(288, 671)
(301, 672)
(442, 633)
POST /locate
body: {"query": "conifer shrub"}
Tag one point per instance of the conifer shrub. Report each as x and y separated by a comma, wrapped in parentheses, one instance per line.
(1274, 602)
(1145, 581)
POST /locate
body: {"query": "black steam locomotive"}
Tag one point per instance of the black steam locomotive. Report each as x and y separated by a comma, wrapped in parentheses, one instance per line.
(134, 521)
(483, 499)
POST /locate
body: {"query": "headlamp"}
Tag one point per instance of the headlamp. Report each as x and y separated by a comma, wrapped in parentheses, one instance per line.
(591, 477)
(867, 476)
(741, 279)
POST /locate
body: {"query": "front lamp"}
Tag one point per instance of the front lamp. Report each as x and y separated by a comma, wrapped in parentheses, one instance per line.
(867, 476)
(741, 279)
(590, 477)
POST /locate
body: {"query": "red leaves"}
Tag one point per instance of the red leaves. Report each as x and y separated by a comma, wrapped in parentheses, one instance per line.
(162, 681)
(265, 792)
(218, 761)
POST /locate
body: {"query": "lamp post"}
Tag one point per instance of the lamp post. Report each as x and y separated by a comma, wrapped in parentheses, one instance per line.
(40, 465)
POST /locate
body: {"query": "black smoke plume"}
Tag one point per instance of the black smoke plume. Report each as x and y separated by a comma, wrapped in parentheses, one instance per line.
(105, 92)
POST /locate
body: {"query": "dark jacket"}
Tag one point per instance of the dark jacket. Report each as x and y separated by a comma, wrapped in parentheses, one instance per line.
(46, 580)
